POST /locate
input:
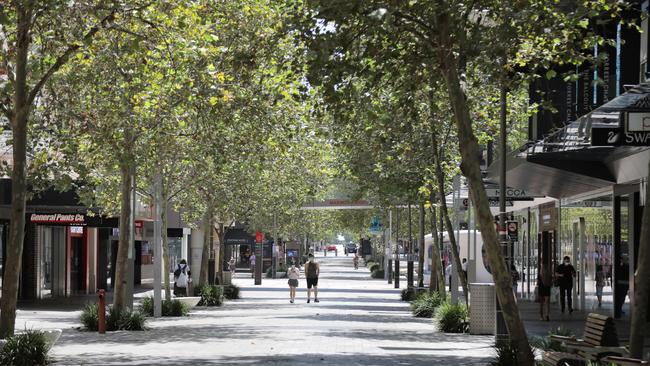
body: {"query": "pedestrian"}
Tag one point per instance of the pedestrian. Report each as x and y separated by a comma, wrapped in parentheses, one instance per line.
(232, 265)
(252, 260)
(355, 261)
(294, 275)
(565, 274)
(544, 283)
(600, 282)
(514, 274)
(312, 271)
(464, 267)
(182, 278)
(448, 274)
(622, 285)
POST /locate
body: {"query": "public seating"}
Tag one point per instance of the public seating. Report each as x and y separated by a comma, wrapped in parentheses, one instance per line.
(624, 361)
(599, 340)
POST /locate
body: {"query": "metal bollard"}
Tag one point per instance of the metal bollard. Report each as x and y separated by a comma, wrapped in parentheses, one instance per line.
(102, 312)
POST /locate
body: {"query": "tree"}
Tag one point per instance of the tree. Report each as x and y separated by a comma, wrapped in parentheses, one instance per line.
(38, 39)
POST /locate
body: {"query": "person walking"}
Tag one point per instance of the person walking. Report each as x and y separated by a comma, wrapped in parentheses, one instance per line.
(464, 267)
(600, 282)
(252, 260)
(312, 271)
(448, 274)
(355, 261)
(181, 278)
(232, 265)
(294, 275)
(544, 282)
(565, 274)
(622, 286)
(514, 274)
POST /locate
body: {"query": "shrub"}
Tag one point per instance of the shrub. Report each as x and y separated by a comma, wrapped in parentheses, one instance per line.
(126, 319)
(280, 268)
(231, 292)
(374, 267)
(452, 318)
(90, 316)
(548, 344)
(211, 295)
(378, 273)
(425, 304)
(172, 307)
(506, 354)
(25, 349)
(407, 294)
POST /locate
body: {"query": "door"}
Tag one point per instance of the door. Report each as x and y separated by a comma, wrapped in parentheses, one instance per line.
(77, 265)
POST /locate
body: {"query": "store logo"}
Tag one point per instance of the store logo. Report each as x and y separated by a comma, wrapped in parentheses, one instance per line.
(58, 218)
(612, 137)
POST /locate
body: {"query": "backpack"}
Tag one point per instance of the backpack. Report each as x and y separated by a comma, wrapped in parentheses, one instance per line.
(181, 279)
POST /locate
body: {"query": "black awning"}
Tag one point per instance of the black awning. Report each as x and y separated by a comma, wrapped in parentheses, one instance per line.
(636, 99)
(238, 237)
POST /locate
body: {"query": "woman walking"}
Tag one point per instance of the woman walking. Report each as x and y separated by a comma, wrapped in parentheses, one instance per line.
(294, 275)
(544, 283)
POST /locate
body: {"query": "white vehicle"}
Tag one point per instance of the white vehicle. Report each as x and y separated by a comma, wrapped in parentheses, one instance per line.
(478, 267)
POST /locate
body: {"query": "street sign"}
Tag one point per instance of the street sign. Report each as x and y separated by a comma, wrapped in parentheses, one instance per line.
(375, 225)
(493, 202)
(259, 237)
(512, 194)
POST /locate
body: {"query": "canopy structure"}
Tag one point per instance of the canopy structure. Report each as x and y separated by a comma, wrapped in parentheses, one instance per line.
(574, 159)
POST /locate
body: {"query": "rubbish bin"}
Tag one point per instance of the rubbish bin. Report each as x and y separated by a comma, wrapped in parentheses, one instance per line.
(482, 309)
(227, 280)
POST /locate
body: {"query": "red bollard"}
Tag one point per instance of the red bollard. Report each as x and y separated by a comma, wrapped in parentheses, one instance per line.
(102, 312)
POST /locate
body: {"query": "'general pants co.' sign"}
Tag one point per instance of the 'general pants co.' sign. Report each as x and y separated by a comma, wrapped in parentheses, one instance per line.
(635, 133)
(77, 219)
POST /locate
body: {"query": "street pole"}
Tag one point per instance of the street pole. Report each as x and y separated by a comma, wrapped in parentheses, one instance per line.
(421, 255)
(275, 244)
(259, 257)
(389, 254)
(397, 251)
(409, 263)
(157, 247)
(130, 278)
(502, 332)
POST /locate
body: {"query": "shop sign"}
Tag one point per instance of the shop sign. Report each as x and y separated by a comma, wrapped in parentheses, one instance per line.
(636, 133)
(77, 219)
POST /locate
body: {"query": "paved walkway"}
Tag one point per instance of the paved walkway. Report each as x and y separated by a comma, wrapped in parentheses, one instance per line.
(359, 321)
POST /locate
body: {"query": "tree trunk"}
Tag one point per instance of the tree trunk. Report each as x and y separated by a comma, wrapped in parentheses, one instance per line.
(222, 251)
(440, 176)
(165, 246)
(205, 253)
(421, 248)
(641, 287)
(122, 264)
(18, 177)
(436, 265)
(469, 148)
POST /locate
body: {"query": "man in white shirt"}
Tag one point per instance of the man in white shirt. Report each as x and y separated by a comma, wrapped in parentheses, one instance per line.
(448, 274)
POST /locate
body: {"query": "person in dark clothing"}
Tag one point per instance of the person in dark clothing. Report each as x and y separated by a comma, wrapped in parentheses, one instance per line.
(565, 274)
(622, 285)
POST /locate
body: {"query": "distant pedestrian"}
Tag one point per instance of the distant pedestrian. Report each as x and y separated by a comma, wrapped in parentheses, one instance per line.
(600, 282)
(294, 275)
(232, 266)
(565, 273)
(181, 278)
(252, 259)
(448, 274)
(514, 274)
(544, 283)
(464, 266)
(622, 286)
(312, 271)
(355, 261)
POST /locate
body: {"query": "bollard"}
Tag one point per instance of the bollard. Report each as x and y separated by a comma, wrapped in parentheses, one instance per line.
(102, 312)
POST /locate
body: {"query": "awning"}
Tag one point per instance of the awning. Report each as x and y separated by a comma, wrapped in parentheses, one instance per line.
(565, 163)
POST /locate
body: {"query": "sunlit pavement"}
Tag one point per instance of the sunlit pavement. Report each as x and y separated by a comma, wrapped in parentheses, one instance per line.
(359, 321)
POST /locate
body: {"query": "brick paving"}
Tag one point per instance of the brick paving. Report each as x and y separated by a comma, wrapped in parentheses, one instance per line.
(359, 321)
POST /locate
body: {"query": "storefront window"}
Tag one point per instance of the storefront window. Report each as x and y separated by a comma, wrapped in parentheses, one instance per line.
(175, 247)
(586, 236)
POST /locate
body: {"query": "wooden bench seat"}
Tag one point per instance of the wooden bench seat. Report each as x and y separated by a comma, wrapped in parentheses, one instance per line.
(599, 340)
(624, 361)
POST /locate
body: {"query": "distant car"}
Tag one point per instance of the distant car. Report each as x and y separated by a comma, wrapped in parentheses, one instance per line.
(331, 248)
(351, 247)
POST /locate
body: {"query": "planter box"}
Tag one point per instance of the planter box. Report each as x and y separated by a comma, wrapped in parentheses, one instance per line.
(280, 274)
(191, 300)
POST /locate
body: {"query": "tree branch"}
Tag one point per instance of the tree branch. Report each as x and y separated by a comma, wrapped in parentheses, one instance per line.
(63, 58)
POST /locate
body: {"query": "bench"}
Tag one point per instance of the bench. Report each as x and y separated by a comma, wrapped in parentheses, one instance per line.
(599, 340)
(624, 361)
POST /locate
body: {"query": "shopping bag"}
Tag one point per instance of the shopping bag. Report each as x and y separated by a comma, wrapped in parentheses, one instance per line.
(555, 294)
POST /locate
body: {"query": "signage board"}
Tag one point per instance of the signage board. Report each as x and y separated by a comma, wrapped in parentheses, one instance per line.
(635, 133)
(512, 194)
(76, 219)
(493, 202)
(375, 225)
